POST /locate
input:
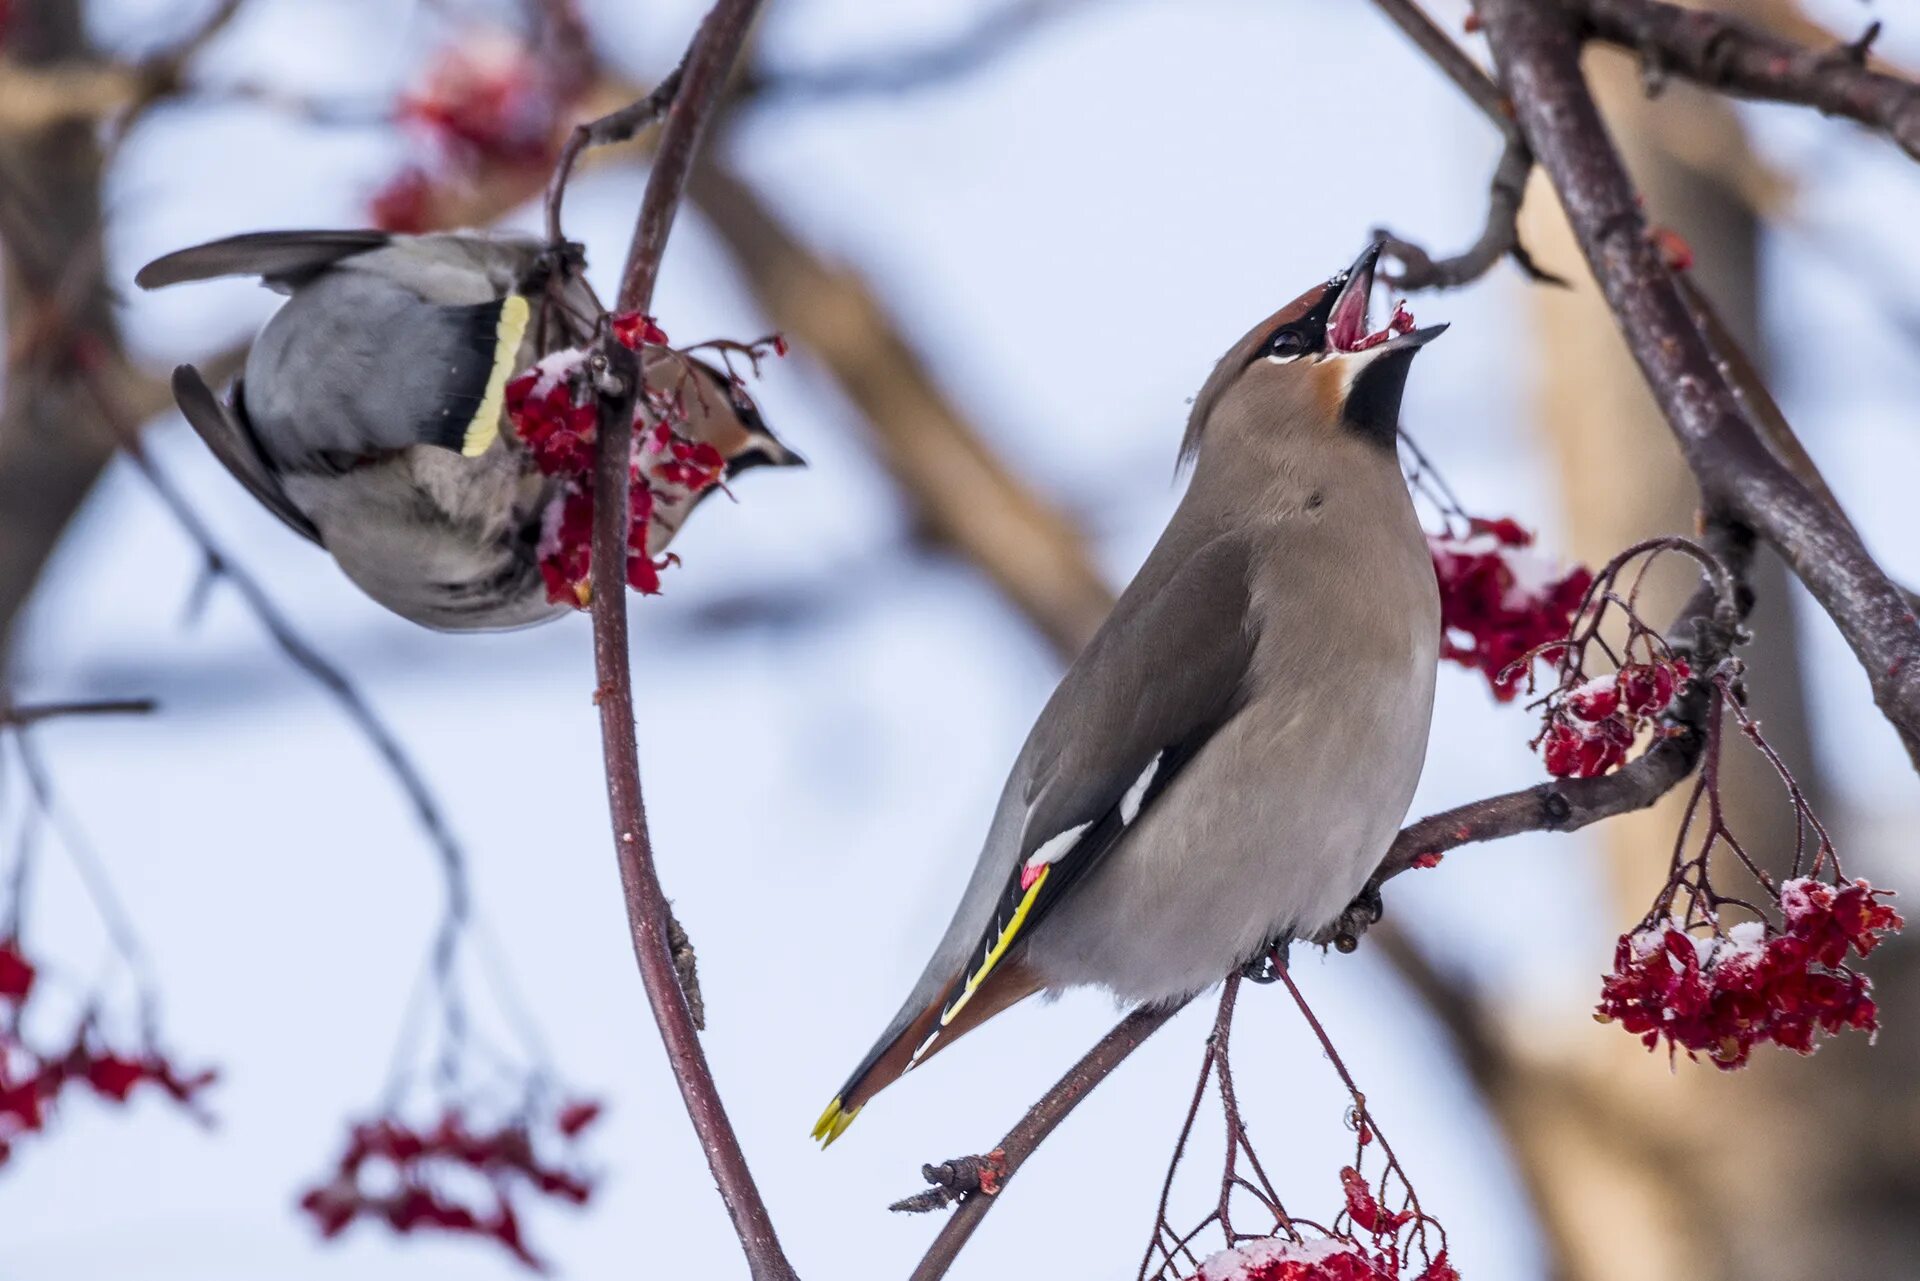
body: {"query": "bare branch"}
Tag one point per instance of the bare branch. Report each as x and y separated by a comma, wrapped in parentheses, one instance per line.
(1040, 1121)
(1538, 50)
(16, 716)
(1500, 238)
(989, 37)
(1467, 74)
(1724, 53)
(614, 127)
(709, 60)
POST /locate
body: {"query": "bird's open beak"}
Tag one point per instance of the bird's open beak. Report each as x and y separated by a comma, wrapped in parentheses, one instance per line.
(1348, 330)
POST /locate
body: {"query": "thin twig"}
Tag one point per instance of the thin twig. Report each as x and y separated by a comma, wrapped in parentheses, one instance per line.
(614, 127)
(16, 715)
(1500, 237)
(300, 651)
(703, 75)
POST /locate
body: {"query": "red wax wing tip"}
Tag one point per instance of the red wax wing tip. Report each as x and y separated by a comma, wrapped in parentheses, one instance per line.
(1030, 873)
(1429, 859)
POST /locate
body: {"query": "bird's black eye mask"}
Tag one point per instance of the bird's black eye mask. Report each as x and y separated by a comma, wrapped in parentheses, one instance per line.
(1307, 335)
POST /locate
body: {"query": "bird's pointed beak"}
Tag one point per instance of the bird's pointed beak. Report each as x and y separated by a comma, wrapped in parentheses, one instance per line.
(1348, 329)
(1347, 321)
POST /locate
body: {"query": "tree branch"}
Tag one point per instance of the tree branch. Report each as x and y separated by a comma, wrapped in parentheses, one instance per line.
(1724, 53)
(1500, 237)
(614, 127)
(1040, 1121)
(1538, 50)
(16, 716)
(710, 57)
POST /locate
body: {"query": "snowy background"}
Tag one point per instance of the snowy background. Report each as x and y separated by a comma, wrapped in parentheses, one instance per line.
(1072, 235)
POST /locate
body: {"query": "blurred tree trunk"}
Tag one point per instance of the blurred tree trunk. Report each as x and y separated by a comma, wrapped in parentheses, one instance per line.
(1784, 1170)
(52, 446)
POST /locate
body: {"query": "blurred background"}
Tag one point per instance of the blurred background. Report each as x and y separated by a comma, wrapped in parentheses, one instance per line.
(1007, 241)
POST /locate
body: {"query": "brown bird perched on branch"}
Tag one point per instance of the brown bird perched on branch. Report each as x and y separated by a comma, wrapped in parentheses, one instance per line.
(1223, 767)
(369, 417)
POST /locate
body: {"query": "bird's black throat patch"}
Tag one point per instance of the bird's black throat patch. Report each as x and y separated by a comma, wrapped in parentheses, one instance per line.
(1373, 403)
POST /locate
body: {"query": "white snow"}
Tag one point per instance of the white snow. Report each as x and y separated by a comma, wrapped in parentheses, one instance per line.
(1237, 1264)
(1533, 570)
(1533, 573)
(550, 371)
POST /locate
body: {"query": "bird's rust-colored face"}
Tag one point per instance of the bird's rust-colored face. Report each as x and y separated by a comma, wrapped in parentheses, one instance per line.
(1320, 352)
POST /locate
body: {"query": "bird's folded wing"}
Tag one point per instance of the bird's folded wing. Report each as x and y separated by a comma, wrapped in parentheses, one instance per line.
(225, 431)
(1162, 676)
(282, 258)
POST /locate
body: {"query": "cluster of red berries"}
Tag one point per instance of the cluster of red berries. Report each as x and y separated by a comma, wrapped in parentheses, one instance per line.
(413, 1162)
(1334, 1257)
(484, 104)
(554, 414)
(1721, 995)
(1500, 602)
(31, 1082)
(1590, 727)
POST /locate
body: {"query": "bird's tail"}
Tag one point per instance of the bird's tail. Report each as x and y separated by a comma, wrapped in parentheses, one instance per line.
(899, 1052)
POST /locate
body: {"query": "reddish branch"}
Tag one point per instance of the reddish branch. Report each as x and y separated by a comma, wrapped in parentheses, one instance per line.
(710, 58)
(1036, 1125)
(1735, 57)
(1538, 49)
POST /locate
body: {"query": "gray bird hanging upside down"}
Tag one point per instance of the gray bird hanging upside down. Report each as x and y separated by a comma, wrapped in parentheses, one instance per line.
(1226, 763)
(369, 418)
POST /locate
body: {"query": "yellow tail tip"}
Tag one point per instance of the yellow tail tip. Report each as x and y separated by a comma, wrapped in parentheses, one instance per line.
(833, 1123)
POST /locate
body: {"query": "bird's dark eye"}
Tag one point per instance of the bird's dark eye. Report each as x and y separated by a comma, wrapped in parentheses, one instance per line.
(1287, 344)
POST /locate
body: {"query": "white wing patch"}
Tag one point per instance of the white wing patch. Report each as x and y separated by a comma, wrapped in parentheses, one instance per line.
(1054, 850)
(1130, 803)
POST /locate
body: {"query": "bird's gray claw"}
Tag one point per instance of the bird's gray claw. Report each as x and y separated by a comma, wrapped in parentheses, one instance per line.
(1267, 963)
